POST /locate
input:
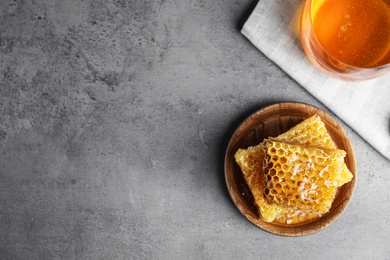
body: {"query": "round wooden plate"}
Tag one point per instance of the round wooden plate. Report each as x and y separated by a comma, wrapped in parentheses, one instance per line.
(270, 122)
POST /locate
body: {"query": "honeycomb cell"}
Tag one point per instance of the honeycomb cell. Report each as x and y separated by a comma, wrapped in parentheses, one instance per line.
(293, 203)
(286, 168)
(283, 160)
(320, 160)
(270, 165)
(324, 175)
(278, 166)
(326, 195)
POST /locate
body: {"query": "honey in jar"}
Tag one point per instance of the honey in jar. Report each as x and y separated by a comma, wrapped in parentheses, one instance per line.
(356, 32)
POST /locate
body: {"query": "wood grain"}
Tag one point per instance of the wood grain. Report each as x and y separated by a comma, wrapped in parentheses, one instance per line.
(270, 122)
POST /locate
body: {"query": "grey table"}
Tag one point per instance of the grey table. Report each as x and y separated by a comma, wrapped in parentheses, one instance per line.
(114, 120)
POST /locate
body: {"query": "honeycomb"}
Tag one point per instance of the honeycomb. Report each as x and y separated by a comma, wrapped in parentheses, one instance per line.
(251, 163)
(301, 177)
(312, 132)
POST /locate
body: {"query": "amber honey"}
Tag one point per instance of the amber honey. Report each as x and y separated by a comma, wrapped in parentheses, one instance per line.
(357, 32)
(347, 36)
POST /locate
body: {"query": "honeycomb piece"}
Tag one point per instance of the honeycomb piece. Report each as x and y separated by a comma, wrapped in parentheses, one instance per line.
(251, 163)
(312, 131)
(301, 177)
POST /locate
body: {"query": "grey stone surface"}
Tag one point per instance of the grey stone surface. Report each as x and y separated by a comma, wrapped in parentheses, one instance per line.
(114, 119)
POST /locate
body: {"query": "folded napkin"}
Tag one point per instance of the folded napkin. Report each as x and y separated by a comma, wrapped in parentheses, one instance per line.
(273, 27)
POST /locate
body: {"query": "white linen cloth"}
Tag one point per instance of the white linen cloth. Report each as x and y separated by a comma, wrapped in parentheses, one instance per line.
(273, 27)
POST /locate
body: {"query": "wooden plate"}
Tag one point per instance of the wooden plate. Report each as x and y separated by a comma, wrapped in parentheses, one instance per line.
(270, 122)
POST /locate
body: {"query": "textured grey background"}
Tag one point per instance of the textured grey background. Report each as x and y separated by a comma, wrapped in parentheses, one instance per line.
(114, 119)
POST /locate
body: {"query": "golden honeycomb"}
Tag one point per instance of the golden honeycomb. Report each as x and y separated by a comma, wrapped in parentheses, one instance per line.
(251, 163)
(301, 177)
(311, 131)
